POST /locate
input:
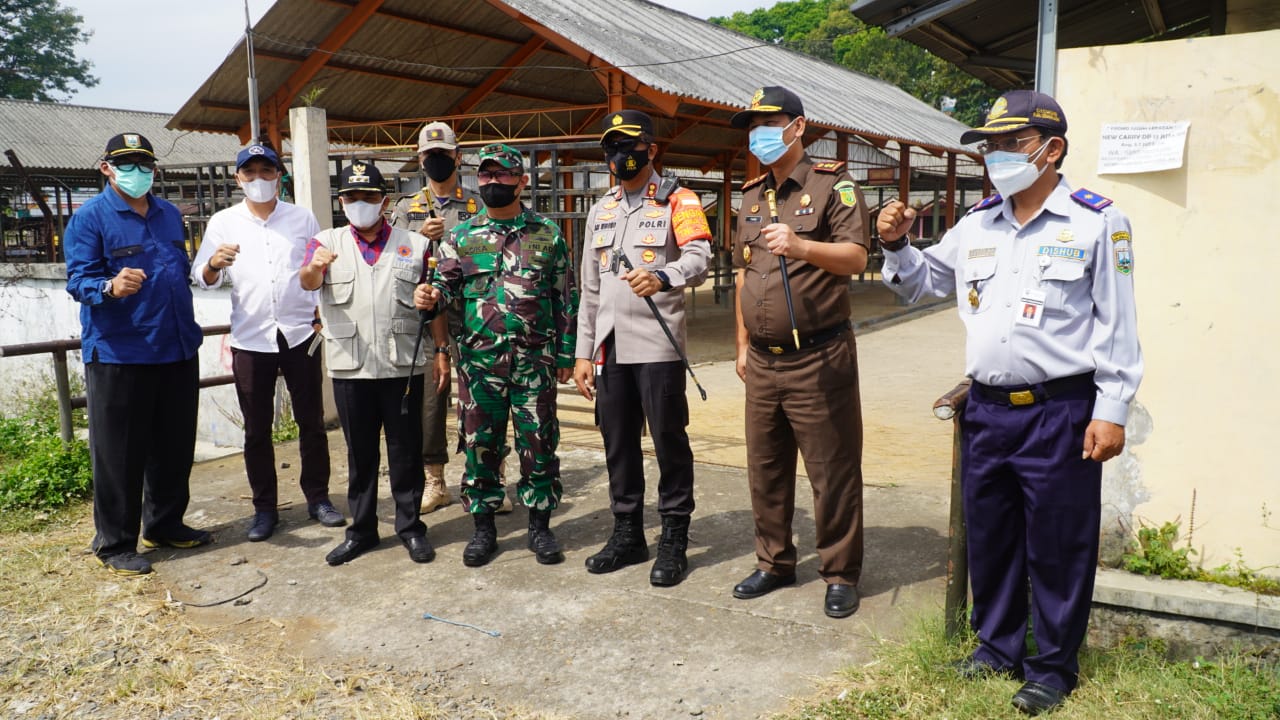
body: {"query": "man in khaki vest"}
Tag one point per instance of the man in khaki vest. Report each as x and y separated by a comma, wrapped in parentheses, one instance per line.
(366, 273)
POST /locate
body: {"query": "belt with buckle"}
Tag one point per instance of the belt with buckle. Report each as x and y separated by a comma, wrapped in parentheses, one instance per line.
(1020, 395)
(807, 342)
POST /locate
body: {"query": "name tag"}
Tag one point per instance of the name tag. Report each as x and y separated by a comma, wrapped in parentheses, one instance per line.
(1031, 308)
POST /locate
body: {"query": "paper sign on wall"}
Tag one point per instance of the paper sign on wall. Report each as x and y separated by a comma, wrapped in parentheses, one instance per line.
(1141, 147)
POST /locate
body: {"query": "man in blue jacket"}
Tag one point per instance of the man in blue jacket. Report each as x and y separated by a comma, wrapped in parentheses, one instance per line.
(127, 264)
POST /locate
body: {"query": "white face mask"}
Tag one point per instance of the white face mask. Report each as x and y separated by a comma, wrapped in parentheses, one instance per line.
(259, 190)
(1011, 172)
(363, 215)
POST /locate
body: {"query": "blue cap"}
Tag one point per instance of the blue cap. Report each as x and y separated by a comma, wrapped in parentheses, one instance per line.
(257, 151)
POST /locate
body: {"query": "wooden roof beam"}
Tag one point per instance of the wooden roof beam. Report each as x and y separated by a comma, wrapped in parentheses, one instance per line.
(497, 77)
(1155, 16)
(317, 59)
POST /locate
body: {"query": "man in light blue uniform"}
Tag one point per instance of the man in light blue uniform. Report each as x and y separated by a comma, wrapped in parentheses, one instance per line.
(1043, 278)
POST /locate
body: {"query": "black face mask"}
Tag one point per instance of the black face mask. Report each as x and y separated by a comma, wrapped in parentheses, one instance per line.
(626, 165)
(498, 195)
(439, 166)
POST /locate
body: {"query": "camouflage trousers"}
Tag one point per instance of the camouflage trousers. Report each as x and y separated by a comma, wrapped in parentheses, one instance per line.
(485, 401)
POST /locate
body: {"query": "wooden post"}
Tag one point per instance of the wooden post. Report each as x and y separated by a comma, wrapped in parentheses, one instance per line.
(64, 396)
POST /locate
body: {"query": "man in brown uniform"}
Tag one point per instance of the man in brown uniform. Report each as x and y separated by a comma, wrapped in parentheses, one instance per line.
(804, 397)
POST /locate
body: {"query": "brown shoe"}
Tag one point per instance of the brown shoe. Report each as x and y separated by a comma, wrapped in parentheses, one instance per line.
(435, 494)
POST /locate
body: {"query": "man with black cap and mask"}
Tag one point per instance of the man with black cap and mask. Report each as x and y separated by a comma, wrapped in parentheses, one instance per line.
(510, 269)
(257, 246)
(796, 350)
(433, 211)
(366, 273)
(1043, 277)
(127, 265)
(641, 375)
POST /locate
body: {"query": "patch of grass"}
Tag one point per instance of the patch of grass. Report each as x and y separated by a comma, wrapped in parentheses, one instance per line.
(36, 471)
(910, 679)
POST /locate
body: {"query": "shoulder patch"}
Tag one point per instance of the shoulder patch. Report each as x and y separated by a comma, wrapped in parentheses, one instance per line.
(986, 202)
(1090, 199)
(830, 168)
(754, 181)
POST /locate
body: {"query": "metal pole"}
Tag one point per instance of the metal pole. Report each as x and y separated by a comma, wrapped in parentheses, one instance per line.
(64, 396)
(1047, 48)
(253, 79)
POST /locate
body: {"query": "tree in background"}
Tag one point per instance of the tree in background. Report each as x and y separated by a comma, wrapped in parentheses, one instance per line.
(37, 50)
(827, 30)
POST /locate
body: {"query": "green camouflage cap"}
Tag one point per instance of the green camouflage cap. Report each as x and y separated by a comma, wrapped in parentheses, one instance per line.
(503, 154)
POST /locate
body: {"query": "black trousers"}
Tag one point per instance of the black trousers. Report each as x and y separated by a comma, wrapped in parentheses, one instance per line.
(255, 374)
(626, 396)
(367, 408)
(142, 439)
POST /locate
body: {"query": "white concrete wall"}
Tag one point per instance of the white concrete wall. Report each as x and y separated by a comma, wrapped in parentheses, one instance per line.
(37, 309)
(1206, 260)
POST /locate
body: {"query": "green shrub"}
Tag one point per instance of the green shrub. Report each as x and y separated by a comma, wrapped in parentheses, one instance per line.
(1153, 553)
(47, 475)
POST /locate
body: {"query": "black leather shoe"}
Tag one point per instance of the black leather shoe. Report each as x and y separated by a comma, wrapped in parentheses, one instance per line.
(420, 549)
(264, 524)
(841, 600)
(349, 550)
(1034, 698)
(971, 668)
(761, 583)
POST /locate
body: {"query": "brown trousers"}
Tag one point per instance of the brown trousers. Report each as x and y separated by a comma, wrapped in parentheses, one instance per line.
(806, 401)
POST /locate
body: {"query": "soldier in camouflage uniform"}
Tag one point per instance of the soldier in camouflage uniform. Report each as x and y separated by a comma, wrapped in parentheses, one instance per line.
(432, 211)
(510, 268)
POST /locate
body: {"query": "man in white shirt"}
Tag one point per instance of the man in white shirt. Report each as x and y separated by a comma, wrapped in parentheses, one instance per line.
(258, 245)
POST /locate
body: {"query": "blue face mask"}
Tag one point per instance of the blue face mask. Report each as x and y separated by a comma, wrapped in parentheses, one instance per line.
(766, 143)
(135, 183)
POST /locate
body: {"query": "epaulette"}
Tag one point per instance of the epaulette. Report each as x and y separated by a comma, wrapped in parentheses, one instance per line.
(754, 181)
(986, 202)
(1090, 199)
(830, 168)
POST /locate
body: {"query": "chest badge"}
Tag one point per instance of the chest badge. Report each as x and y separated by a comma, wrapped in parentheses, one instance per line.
(471, 205)
(599, 241)
(755, 208)
(604, 261)
(655, 213)
(648, 256)
(1066, 236)
(404, 251)
(805, 200)
(610, 205)
(605, 216)
(973, 297)
(746, 253)
(649, 240)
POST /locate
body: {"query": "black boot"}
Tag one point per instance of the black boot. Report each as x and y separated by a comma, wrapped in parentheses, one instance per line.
(541, 541)
(669, 568)
(484, 543)
(626, 546)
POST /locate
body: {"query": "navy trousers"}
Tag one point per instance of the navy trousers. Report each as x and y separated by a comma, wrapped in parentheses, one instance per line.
(1032, 507)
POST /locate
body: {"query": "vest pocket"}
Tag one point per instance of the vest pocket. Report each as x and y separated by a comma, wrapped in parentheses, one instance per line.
(404, 335)
(342, 346)
(339, 285)
(406, 283)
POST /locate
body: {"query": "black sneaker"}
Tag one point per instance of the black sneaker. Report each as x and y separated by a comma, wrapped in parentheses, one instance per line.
(126, 563)
(183, 537)
(326, 514)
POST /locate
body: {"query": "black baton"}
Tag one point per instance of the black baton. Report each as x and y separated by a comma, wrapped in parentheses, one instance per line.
(424, 319)
(653, 307)
(771, 197)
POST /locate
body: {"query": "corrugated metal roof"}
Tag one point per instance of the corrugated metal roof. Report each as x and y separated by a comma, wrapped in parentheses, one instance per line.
(417, 60)
(984, 37)
(57, 136)
(685, 56)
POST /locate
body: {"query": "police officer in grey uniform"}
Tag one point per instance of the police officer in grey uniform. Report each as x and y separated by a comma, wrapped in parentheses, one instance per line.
(432, 211)
(1043, 277)
(667, 240)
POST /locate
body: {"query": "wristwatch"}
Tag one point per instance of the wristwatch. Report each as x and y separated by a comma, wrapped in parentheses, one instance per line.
(442, 349)
(896, 245)
(106, 289)
(666, 281)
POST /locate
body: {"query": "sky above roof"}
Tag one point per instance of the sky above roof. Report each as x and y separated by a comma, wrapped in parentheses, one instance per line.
(150, 60)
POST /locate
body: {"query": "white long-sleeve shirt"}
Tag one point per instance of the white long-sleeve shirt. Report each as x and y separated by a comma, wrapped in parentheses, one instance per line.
(1048, 299)
(265, 293)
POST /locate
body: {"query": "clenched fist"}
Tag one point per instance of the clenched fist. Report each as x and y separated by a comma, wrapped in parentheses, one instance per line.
(322, 259)
(894, 220)
(425, 296)
(127, 282)
(224, 256)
